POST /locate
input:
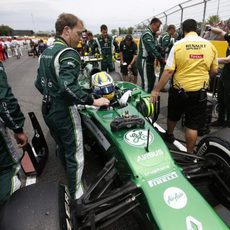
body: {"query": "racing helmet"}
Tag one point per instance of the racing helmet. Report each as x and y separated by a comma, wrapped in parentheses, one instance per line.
(103, 85)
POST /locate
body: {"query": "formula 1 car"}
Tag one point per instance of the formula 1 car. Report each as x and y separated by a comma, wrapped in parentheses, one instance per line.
(161, 188)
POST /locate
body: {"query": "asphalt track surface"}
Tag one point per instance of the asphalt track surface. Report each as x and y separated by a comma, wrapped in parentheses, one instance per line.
(21, 76)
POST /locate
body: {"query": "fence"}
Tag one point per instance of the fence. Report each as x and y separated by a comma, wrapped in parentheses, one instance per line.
(200, 10)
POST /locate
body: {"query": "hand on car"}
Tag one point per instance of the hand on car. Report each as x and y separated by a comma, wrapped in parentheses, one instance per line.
(101, 102)
(154, 96)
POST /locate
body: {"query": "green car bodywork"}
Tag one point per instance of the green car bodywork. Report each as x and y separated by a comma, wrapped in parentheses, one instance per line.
(168, 198)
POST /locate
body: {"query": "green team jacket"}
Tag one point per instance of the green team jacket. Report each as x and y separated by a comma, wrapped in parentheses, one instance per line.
(58, 73)
(13, 118)
(105, 46)
(92, 47)
(10, 111)
(148, 46)
(165, 43)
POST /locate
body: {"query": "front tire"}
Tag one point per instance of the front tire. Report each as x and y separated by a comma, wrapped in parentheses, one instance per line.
(215, 147)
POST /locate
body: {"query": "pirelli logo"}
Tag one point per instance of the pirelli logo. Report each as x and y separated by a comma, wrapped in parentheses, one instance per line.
(162, 179)
(196, 56)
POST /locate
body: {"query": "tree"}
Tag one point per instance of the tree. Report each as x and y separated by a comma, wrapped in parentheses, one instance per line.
(6, 30)
(114, 31)
(213, 19)
(130, 30)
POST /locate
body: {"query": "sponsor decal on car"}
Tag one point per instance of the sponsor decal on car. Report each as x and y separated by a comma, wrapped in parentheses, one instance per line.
(150, 155)
(192, 223)
(138, 137)
(157, 170)
(162, 179)
(175, 198)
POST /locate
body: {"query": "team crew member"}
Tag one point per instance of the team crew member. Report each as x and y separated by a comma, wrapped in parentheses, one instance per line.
(91, 44)
(57, 80)
(223, 83)
(12, 118)
(166, 44)
(190, 60)
(106, 43)
(128, 55)
(148, 52)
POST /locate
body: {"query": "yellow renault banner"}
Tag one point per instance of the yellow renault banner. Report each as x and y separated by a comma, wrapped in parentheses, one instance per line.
(221, 47)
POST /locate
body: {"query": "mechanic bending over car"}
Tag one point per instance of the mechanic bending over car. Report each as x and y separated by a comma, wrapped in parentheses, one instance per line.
(12, 118)
(57, 80)
(190, 61)
(223, 83)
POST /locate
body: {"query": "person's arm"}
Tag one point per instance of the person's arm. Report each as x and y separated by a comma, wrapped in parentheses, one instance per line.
(10, 111)
(150, 46)
(68, 82)
(121, 53)
(134, 56)
(68, 78)
(133, 61)
(225, 60)
(167, 74)
(217, 31)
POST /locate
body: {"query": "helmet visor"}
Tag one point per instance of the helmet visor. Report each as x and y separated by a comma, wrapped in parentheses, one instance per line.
(106, 89)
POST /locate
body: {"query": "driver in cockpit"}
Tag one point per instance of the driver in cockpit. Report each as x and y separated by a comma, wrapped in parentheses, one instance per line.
(103, 85)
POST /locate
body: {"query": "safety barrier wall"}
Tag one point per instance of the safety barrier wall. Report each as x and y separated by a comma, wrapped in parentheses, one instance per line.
(200, 10)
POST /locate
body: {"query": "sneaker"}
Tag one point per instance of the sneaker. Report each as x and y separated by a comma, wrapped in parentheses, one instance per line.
(168, 137)
(217, 123)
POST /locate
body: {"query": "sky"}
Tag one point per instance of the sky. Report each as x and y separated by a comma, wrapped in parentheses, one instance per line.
(40, 15)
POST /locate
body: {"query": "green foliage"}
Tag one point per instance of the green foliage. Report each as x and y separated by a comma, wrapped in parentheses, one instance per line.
(5, 30)
(114, 31)
(213, 19)
(124, 30)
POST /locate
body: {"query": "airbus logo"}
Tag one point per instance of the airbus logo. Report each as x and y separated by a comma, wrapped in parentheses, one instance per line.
(150, 155)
